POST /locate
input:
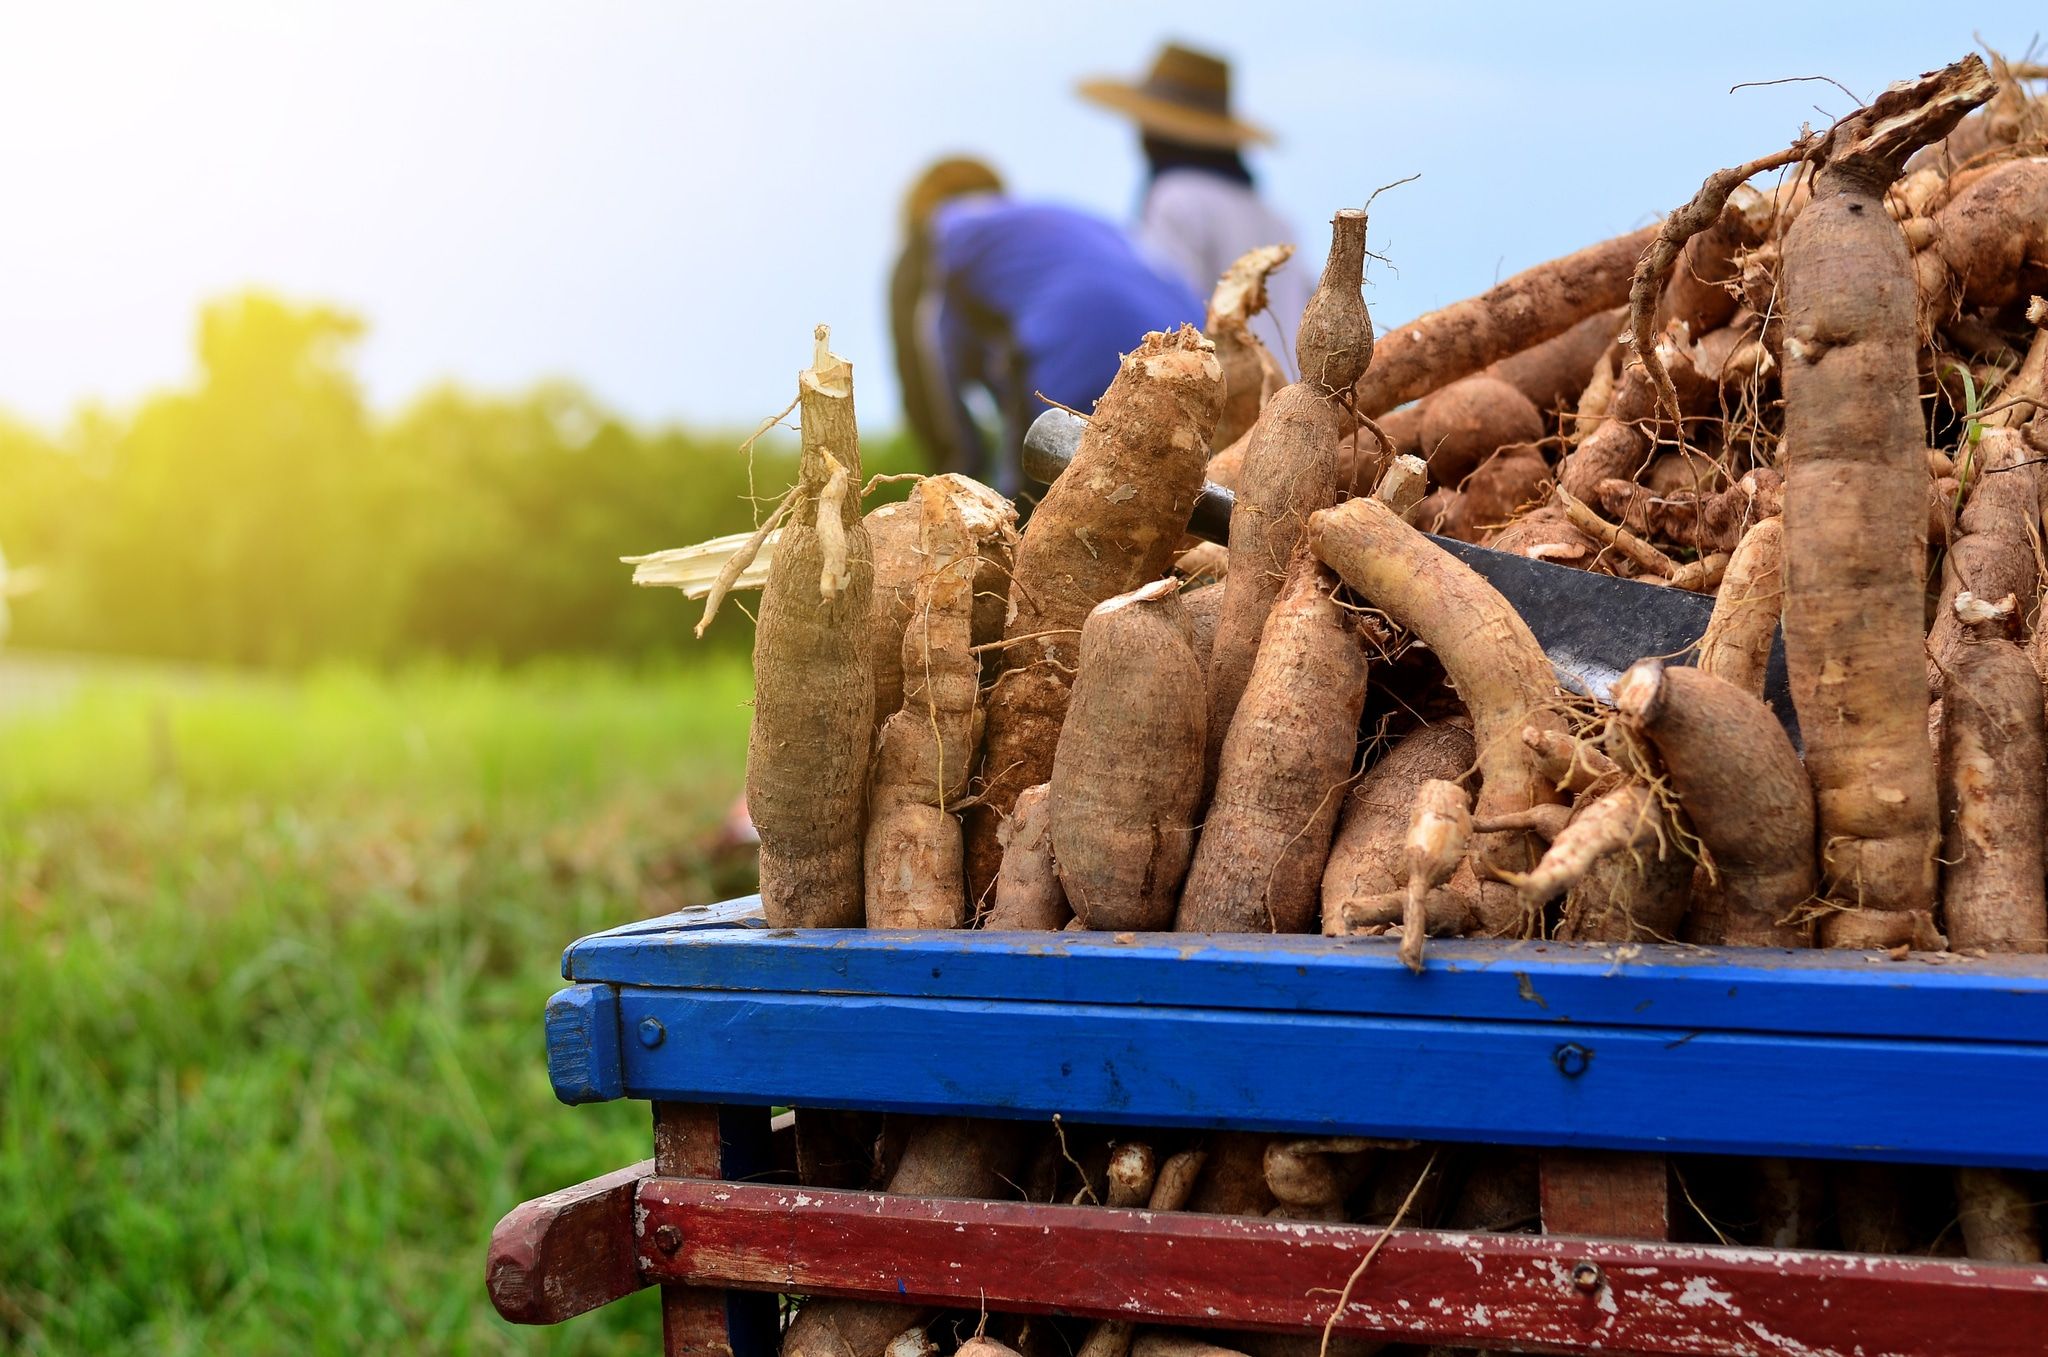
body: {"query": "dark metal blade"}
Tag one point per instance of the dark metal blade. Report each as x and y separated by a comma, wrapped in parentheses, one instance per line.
(1591, 627)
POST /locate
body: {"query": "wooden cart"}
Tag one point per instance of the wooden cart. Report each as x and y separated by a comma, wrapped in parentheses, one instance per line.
(1643, 1050)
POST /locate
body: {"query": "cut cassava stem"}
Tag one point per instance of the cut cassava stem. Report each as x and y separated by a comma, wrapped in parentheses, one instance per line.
(1855, 514)
(1491, 656)
(807, 754)
(1289, 472)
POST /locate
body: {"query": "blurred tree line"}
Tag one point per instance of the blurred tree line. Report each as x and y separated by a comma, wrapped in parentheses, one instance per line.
(267, 517)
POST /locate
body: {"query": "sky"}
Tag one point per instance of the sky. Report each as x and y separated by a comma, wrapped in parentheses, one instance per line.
(659, 200)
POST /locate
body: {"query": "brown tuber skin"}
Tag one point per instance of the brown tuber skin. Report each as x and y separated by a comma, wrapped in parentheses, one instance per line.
(1368, 860)
(1737, 643)
(1333, 347)
(1534, 305)
(1491, 498)
(913, 853)
(1471, 419)
(1992, 797)
(1112, 522)
(1439, 828)
(1127, 777)
(1289, 471)
(1855, 515)
(1702, 521)
(1285, 765)
(1486, 647)
(1028, 894)
(1992, 550)
(1742, 787)
(807, 755)
(1992, 898)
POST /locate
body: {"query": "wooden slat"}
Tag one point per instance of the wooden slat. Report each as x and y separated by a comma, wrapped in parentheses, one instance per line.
(705, 1321)
(1611, 1196)
(571, 1251)
(1523, 1292)
(1635, 1088)
(1789, 993)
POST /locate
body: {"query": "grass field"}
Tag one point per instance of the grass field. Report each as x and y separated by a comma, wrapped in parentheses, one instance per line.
(272, 961)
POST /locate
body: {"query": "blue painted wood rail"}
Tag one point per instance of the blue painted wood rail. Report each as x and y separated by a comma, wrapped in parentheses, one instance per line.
(1809, 1054)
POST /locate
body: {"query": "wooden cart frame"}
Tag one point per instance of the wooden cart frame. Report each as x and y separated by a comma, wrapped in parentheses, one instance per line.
(1576, 1048)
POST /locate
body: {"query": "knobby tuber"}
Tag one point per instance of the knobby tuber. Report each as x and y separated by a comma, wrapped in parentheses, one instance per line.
(1855, 521)
(1028, 894)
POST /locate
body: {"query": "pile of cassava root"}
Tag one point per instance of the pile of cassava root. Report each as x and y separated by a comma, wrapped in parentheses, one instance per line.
(1815, 392)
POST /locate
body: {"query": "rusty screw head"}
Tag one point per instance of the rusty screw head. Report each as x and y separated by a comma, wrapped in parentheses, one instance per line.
(1572, 1059)
(1586, 1276)
(668, 1239)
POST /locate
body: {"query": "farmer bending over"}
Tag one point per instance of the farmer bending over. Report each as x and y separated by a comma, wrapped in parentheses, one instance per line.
(1013, 301)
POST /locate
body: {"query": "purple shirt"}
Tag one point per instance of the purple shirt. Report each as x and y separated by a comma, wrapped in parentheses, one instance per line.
(1040, 299)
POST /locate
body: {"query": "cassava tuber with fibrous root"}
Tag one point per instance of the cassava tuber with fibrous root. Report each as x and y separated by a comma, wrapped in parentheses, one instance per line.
(1744, 793)
(1855, 525)
(913, 853)
(1488, 650)
(1289, 471)
(1285, 766)
(1027, 893)
(1112, 522)
(1368, 859)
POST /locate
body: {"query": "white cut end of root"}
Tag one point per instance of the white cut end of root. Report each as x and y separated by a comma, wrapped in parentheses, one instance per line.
(2037, 311)
(693, 569)
(836, 571)
(1146, 593)
(1970, 608)
(828, 372)
(1403, 484)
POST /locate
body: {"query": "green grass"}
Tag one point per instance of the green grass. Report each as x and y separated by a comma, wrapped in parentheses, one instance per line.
(272, 962)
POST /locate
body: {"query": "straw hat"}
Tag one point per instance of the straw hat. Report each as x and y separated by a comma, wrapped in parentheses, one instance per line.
(946, 179)
(1185, 96)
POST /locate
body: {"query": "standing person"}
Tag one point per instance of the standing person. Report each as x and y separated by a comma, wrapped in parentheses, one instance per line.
(1018, 300)
(1202, 208)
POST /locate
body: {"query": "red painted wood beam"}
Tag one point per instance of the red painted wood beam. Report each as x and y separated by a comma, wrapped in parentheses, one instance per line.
(1527, 1292)
(557, 1256)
